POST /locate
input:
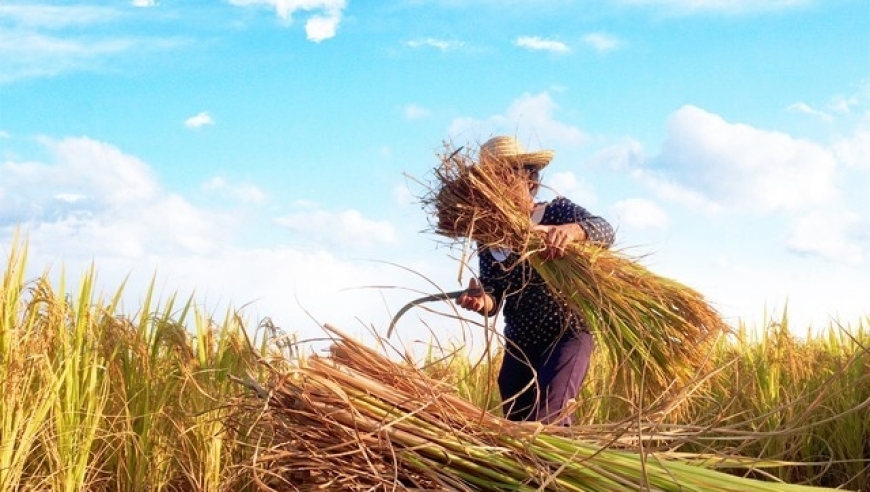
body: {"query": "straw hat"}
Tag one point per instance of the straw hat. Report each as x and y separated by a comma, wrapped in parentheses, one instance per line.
(509, 149)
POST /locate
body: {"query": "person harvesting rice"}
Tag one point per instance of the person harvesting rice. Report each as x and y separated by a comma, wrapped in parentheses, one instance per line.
(548, 345)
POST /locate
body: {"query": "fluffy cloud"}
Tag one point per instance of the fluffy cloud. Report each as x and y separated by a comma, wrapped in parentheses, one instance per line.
(827, 234)
(621, 156)
(91, 202)
(854, 151)
(318, 27)
(92, 198)
(344, 229)
(566, 183)
(739, 166)
(531, 118)
(244, 192)
(199, 120)
(641, 213)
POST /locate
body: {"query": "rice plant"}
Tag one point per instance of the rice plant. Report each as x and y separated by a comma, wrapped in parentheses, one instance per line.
(169, 398)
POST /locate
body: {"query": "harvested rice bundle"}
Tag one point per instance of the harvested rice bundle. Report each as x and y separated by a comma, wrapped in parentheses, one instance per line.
(359, 421)
(659, 328)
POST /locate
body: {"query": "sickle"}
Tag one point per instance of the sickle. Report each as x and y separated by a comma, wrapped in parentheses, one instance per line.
(444, 296)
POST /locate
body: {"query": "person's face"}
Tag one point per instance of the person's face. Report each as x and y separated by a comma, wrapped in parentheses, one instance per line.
(533, 175)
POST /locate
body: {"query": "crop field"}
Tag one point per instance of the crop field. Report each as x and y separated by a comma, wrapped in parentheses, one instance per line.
(169, 398)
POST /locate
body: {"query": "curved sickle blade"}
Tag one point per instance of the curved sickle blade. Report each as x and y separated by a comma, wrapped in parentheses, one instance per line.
(444, 296)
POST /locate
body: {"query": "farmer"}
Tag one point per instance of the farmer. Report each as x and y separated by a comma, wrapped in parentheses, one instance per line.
(547, 346)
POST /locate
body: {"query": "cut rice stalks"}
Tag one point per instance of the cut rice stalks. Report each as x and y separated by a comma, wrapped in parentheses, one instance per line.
(356, 420)
(657, 327)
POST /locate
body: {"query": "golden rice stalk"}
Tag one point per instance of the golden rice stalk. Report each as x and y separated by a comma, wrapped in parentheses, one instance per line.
(657, 327)
(359, 421)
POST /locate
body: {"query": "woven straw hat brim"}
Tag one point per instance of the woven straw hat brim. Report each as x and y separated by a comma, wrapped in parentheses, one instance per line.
(538, 159)
(509, 150)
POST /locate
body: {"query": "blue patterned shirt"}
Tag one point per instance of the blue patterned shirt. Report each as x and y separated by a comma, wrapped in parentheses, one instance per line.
(534, 316)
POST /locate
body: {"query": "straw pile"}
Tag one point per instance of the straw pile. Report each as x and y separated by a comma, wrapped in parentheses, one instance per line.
(357, 421)
(657, 327)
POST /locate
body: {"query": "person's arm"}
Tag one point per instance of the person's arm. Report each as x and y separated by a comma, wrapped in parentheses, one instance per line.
(484, 294)
(596, 230)
(567, 222)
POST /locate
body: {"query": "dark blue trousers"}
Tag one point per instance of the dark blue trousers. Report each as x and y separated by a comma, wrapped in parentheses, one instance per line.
(537, 386)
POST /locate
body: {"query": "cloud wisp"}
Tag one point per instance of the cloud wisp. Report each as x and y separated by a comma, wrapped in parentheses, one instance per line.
(46, 41)
(687, 7)
(601, 42)
(439, 44)
(537, 43)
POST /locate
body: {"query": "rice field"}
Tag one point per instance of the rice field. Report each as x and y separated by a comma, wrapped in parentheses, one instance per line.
(167, 397)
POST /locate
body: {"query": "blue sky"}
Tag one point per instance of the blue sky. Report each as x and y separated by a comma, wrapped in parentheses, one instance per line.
(267, 154)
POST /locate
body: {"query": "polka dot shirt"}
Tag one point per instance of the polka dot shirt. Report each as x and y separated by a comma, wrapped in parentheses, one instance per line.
(534, 317)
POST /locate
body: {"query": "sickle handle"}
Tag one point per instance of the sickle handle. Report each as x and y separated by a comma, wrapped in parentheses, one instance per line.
(443, 296)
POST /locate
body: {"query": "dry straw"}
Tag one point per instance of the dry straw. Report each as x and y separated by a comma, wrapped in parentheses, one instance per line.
(357, 420)
(658, 328)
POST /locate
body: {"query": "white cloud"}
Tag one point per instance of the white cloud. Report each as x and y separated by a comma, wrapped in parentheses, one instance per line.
(530, 118)
(620, 156)
(92, 203)
(827, 234)
(55, 17)
(854, 151)
(854, 102)
(415, 112)
(144, 3)
(669, 190)
(345, 229)
(318, 27)
(44, 40)
(566, 183)
(441, 44)
(244, 192)
(601, 42)
(740, 166)
(30, 54)
(536, 43)
(199, 120)
(4, 134)
(94, 200)
(641, 213)
(722, 6)
(403, 195)
(102, 171)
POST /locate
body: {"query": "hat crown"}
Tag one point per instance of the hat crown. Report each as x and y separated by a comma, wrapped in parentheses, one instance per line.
(502, 147)
(505, 148)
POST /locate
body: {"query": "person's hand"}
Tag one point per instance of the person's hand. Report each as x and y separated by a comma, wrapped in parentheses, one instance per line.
(476, 299)
(558, 237)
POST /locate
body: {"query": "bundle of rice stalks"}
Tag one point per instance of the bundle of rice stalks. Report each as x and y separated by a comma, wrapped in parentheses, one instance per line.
(358, 421)
(658, 327)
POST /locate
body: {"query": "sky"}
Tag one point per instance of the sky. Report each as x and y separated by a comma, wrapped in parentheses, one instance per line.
(269, 156)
